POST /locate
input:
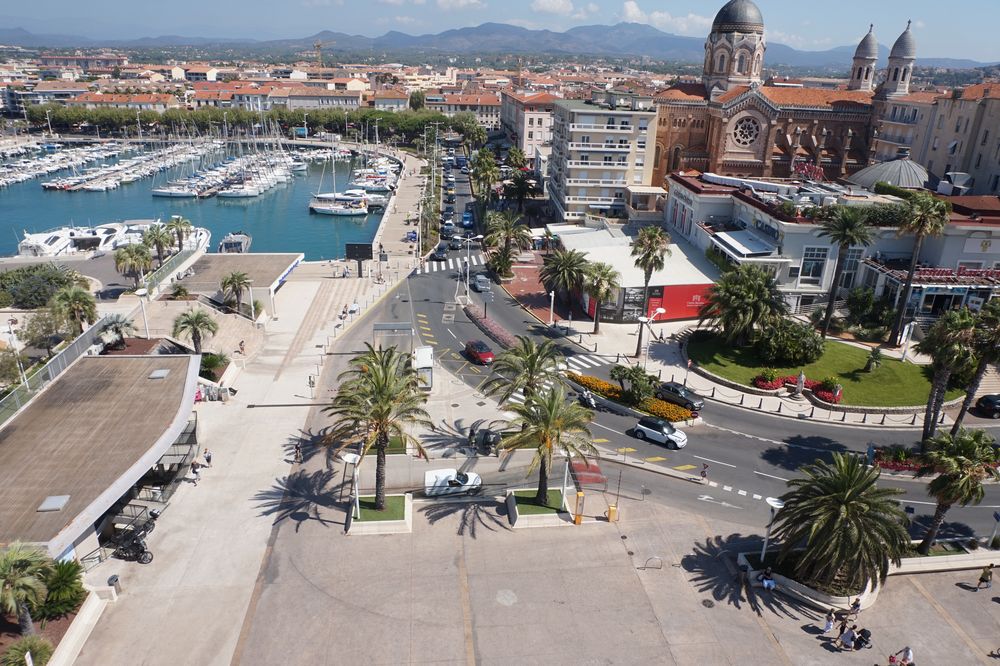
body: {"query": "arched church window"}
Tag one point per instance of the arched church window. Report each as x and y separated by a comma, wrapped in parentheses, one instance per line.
(868, 73)
(656, 156)
(675, 160)
(895, 74)
(722, 63)
(904, 73)
(860, 72)
(741, 66)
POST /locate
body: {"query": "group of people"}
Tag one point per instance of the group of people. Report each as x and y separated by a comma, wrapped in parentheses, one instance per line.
(850, 638)
(196, 466)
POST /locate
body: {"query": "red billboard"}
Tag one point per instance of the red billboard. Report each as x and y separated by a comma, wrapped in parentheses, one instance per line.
(681, 301)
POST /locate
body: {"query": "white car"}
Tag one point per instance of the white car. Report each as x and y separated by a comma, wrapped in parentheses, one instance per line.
(441, 482)
(659, 431)
(481, 283)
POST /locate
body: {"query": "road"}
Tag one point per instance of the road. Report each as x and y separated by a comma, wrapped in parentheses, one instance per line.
(749, 455)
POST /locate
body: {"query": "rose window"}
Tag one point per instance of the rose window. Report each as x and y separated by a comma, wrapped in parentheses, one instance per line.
(746, 132)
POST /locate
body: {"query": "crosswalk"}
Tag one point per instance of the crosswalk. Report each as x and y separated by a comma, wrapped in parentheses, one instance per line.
(579, 363)
(452, 264)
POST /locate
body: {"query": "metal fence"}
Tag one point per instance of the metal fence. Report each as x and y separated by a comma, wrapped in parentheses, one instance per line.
(162, 273)
(22, 393)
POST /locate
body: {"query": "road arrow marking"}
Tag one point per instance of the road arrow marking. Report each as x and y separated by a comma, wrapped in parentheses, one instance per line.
(711, 500)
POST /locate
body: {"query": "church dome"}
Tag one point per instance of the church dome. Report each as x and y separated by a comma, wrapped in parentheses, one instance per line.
(739, 16)
(868, 48)
(905, 46)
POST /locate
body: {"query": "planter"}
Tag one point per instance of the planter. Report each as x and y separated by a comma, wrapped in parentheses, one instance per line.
(83, 624)
(819, 600)
(558, 518)
(404, 526)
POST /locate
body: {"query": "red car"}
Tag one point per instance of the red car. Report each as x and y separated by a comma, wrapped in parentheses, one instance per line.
(479, 352)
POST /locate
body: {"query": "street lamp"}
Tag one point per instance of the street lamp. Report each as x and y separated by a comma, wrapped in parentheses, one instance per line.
(775, 505)
(17, 353)
(552, 307)
(354, 459)
(253, 314)
(141, 293)
(638, 350)
(468, 256)
(225, 124)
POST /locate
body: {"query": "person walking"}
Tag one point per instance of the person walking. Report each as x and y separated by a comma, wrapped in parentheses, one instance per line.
(905, 656)
(298, 452)
(846, 640)
(196, 471)
(243, 348)
(855, 608)
(986, 577)
(208, 457)
(841, 630)
(831, 616)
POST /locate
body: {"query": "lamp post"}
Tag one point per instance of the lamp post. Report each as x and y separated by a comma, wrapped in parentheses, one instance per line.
(17, 353)
(552, 307)
(253, 313)
(638, 350)
(141, 293)
(354, 459)
(775, 504)
(225, 125)
(468, 257)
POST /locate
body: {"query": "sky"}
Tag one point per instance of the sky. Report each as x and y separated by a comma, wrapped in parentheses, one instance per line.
(804, 24)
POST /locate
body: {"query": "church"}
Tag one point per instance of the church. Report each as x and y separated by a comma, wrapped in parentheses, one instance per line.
(732, 124)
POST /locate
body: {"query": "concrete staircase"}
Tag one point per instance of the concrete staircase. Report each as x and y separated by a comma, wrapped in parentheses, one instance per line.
(991, 382)
(232, 328)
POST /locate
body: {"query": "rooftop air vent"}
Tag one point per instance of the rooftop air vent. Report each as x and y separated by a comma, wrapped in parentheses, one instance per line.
(53, 503)
(159, 374)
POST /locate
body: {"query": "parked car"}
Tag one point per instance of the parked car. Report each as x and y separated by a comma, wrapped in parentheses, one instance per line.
(449, 198)
(449, 212)
(481, 283)
(988, 406)
(479, 351)
(465, 169)
(455, 244)
(680, 395)
(469, 205)
(441, 482)
(440, 253)
(467, 219)
(447, 232)
(659, 431)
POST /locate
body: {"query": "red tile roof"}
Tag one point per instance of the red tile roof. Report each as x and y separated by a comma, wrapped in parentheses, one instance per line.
(684, 92)
(982, 91)
(98, 98)
(815, 97)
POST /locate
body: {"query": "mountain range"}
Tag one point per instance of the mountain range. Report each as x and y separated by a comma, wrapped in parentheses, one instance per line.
(620, 40)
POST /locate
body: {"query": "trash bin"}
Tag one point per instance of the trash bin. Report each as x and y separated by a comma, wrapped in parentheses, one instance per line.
(115, 583)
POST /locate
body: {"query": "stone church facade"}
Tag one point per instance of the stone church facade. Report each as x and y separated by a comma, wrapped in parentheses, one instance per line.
(732, 124)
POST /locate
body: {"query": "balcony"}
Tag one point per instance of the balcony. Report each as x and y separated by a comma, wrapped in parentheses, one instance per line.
(598, 165)
(620, 129)
(593, 200)
(596, 183)
(894, 139)
(601, 147)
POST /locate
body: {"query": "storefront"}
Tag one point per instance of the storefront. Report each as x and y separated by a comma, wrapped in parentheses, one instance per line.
(935, 290)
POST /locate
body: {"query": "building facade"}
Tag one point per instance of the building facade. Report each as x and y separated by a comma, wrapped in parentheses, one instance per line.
(486, 108)
(526, 119)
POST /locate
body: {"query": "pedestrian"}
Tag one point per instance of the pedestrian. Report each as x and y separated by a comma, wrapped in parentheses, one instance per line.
(846, 640)
(986, 577)
(766, 579)
(830, 617)
(704, 472)
(195, 471)
(208, 457)
(243, 348)
(905, 656)
(298, 452)
(841, 629)
(855, 608)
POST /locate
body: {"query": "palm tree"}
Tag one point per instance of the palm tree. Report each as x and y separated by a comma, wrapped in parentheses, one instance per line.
(741, 300)
(927, 216)
(516, 158)
(550, 424)
(77, 305)
(505, 230)
(848, 528)
(520, 187)
(874, 359)
(22, 582)
(524, 367)
(650, 249)
(195, 324)
(485, 172)
(949, 344)
(181, 227)
(986, 344)
(120, 327)
(159, 237)
(233, 286)
(133, 260)
(378, 399)
(563, 271)
(602, 282)
(501, 262)
(961, 463)
(847, 227)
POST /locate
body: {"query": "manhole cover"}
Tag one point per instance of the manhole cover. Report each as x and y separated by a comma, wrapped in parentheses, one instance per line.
(647, 491)
(624, 537)
(631, 553)
(480, 403)
(708, 603)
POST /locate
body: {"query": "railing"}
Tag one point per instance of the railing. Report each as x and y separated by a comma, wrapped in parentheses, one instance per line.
(168, 267)
(608, 183)
(820, 305)
(898, 140)
(597, 165)
(601, 128)
(597, 147)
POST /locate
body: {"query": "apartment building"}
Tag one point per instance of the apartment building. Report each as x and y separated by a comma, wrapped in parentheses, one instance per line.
(142, 102)
(526, 119)
(309, 98)
(486, 107)
(964, 137)
(904, 125)
(599, 150)
(390, 100)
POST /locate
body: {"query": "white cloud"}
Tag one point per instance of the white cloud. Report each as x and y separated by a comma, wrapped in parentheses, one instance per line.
(406, 20)
(395, 3)
(797, 41)
(691, 24)
(563, 7)
(587, 11)
(461, 4)
(322, 3)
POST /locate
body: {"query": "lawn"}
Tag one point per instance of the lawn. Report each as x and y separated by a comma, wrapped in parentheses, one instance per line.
(394, 508)
(893, 384)
(526, 505)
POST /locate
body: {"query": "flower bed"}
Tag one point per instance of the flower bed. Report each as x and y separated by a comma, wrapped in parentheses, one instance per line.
(654, 406)
(491, 328)
(824, 394)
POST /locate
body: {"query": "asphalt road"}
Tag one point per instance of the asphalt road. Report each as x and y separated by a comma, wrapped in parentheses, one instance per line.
(749, 455)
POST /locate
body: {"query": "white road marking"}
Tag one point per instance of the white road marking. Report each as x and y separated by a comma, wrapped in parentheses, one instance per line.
(452, 333)
(709, 498)
(717, 462)
(728, 489)
(770, 476)
(741, 492)
(757, 497)
(713, 484)
(607, 428)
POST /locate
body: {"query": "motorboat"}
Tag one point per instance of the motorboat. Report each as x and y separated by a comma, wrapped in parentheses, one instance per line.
(235, 243)
(373, 200)
(350, 209)
(74, 240)
(175, 191)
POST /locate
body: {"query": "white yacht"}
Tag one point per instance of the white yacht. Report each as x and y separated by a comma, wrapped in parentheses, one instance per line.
(354, 196)
(342, 208)
(73, 240)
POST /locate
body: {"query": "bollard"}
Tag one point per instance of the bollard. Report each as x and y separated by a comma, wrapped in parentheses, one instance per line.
(779, 405)
(843, 419)
(941, 420)
(812, 411)
(760, 405)
(883, 420)
(659, 374)
(864, 417)
(914, 419)
(742, 396)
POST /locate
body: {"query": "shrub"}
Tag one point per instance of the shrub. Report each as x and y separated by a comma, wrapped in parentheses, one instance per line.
(491, 328)
(665, 410)
(769, 374)
(995, 543)
(973, 544)
(40, 648)
(829, 383)
(213, 365)
(65, 591)
(654, 406)
(790, 343)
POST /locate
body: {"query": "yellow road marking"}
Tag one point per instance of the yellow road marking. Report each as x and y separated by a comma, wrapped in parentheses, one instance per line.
(425, 328)
(431, 342)
(682, 468)
(475, 369)
(625, 449)
(656, 459)
(601, 441)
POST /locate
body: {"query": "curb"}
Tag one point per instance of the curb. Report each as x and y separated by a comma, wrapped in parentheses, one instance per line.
(688, 423)
(521, 305)
(608, 455)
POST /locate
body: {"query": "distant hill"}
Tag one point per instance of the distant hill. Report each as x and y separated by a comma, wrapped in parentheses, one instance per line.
(620, 40)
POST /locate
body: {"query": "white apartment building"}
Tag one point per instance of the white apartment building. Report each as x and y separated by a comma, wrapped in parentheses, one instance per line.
(319, 98)
(965, 137)
(526, 119)
(599, 149)
(903, 125)
(485, 107)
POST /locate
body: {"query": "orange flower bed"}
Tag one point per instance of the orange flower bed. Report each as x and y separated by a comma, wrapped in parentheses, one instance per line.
(654, 406)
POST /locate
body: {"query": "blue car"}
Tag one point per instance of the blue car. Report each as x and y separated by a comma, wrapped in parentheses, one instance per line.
(466, 219)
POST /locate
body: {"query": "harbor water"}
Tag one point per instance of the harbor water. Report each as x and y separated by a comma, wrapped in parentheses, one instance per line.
(278, 220)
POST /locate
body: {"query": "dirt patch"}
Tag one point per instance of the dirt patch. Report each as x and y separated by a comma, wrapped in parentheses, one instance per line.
(53, 630)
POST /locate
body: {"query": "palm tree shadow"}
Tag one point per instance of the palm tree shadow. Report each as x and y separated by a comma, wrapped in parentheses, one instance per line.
(799, 450)
(472, 516)
(300, 496)
(714, 571)
(949, 529)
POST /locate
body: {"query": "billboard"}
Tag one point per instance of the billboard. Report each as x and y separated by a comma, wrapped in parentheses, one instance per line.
(681, 301)
(359, 251)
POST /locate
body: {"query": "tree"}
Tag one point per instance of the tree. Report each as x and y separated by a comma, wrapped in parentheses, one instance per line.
(417, 100)
(43, 329)
(927, 216)
(601, 282)
(194, 324)
(520, 187)
(741, 300)
(563, 271)
(986, 345)
(485, 173)
(524, 367)
(501, 262)
(650, 249)
(848, 528)
(949, 344)
(133, 261)
(516, 158)
(874, 359)
(548, 423)
(961, 464)
(378, 400)
(160, 238)
(180, 227)
(22, 582)
(76, 305)
(11, 363)
(506, 231)
(847, 227)
(233, 286)
(119, 327)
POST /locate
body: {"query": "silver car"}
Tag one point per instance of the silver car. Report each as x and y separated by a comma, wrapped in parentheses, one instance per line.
(481, 283)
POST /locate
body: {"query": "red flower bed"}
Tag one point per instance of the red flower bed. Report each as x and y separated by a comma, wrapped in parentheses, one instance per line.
(793, 380)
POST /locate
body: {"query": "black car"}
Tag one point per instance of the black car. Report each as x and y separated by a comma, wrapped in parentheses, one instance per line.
(469, 205)
(988, 406)
(440, 254)
(679, 395)
(450, 199)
